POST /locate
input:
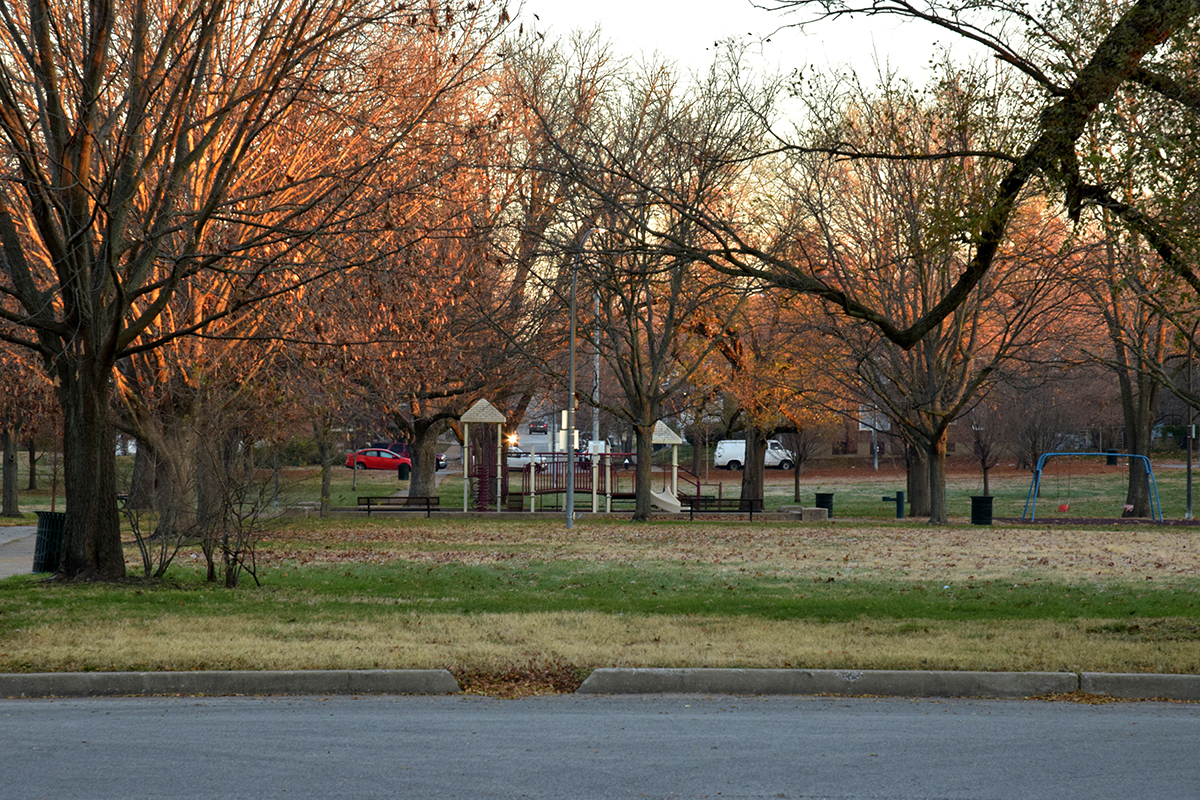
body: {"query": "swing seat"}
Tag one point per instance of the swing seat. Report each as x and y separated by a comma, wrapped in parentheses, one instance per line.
(1064, 506)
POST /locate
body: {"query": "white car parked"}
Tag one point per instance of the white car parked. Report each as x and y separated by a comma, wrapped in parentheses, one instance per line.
(731, 454)
(520, 459)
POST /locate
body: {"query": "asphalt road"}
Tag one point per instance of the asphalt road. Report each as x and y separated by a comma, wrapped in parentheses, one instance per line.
(667, 746)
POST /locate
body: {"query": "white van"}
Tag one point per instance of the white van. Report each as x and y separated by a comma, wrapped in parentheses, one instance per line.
(731, 454)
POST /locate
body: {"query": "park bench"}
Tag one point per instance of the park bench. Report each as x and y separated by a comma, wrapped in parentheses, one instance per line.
(721, 505)
(392, 503)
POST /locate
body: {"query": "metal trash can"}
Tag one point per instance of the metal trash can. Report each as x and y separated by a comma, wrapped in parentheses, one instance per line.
(981, 509)
(1110, 458)
(404, 471)
(825, 501)
(48, 547)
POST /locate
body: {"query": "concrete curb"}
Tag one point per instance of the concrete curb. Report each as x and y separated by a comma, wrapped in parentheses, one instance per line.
(242, 682)
(881, 683)
(1136, 686)
(892, 683)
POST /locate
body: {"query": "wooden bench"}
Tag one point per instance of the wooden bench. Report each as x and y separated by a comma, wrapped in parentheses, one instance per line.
(426, 504)
(721, 505)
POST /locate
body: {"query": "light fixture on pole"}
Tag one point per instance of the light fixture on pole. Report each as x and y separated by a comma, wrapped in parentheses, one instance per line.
(570, 445)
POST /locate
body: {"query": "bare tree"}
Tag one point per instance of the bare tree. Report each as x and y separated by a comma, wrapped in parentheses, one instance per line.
(987, 436)
(25, 401)
(1148, 43)
(893, 234)
(632, 172)
(1136, 350)
(147, 149)
(805, 443)
(765, 364)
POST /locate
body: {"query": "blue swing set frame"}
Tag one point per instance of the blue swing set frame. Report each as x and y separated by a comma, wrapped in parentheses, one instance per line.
(1035, 484)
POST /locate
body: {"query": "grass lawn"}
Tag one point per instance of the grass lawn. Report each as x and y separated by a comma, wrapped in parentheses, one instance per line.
(518, 598)
(1088, 487)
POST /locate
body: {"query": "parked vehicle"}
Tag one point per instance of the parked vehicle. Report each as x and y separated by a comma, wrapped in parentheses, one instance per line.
(399, 448)
(520, 459)
(731, 454)
(402, 449)
(376, 458)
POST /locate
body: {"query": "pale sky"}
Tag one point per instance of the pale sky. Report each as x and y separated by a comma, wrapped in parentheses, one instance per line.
(685, 30)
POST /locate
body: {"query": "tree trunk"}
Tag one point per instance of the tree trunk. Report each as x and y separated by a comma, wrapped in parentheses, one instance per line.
(323, 434)
(753, 472)
(176, 493)
(644, 477)
(1138, 430)
(141, 483)
(1139, 492)
(917, 480)
(938, 513)
(8, 439)
(31, 446)
(424, 458)
(216, 468)
(92, 545)
(1139, 399)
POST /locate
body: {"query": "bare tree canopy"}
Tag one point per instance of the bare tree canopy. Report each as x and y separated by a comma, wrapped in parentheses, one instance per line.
(1126, 52)
(150, 149)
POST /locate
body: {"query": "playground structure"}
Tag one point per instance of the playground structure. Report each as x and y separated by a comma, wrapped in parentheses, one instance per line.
(609, 478)
(1036, 483)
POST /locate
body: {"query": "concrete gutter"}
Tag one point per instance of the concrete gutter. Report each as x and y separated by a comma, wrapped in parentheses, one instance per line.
(1136, 686)
(890, 683)
(880, 683)
(242, 682)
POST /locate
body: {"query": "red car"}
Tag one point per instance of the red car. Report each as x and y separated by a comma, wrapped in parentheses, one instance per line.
(376, 458)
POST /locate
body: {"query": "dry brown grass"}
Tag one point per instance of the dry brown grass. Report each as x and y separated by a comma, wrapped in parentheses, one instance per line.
(549, 652)
(493, 643)
(909, 552)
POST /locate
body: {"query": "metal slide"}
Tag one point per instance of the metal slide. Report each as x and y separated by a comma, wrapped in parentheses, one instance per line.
(666, 500)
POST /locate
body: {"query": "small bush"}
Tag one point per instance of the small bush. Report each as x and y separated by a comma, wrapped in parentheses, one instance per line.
(299, 451)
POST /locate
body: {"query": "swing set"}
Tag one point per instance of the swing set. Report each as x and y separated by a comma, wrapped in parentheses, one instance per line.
(1036, 483)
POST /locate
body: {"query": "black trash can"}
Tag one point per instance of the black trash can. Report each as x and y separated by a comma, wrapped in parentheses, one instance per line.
(404, 471)
(981, 509)
(48, 547)
(1110, 458)
(825, 501)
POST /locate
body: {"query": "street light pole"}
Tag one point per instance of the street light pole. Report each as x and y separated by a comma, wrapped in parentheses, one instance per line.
(570, 504)
(596, 374)
(1190, 428)
(570, 447)
(595, 459)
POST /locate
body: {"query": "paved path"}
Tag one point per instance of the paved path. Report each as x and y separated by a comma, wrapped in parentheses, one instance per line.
(16, 550)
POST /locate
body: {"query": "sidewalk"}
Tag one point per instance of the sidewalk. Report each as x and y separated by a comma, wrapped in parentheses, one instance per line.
(16, 550)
